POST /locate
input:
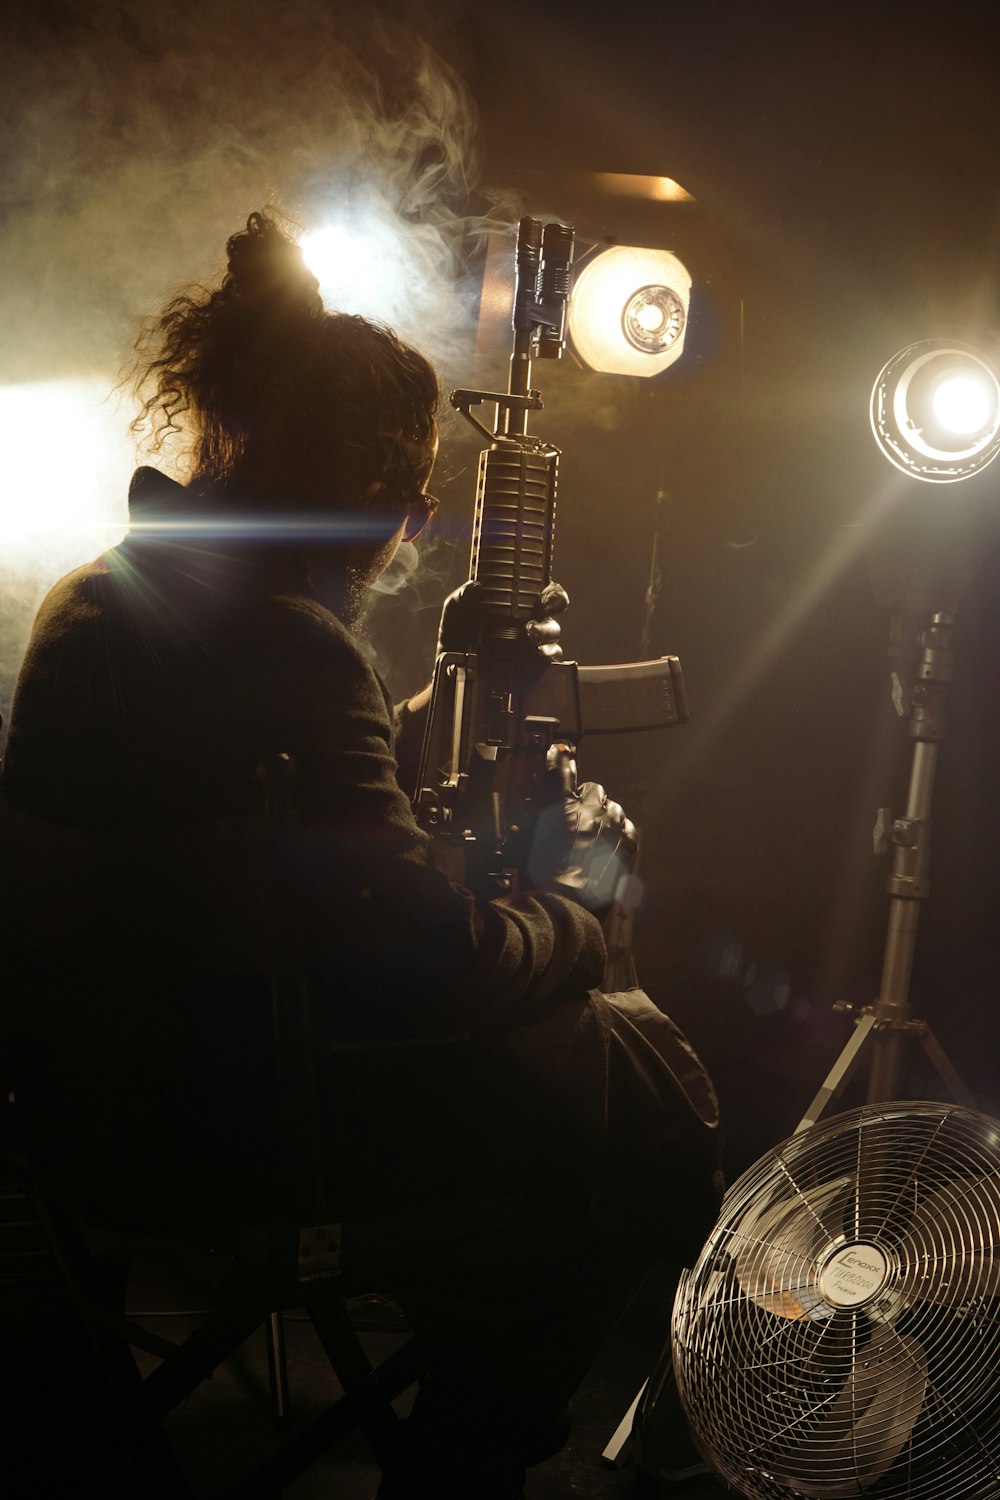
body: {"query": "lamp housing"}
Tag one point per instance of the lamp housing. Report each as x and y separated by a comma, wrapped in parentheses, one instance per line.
(935, 410)
(628, 310)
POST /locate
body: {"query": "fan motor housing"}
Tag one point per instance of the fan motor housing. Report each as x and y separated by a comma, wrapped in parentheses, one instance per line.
(854, 1274)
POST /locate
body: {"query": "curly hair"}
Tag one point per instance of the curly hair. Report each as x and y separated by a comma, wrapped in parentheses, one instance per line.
(278, 394)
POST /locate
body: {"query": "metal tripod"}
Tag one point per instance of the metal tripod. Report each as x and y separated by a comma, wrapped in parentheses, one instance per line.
(885, 1028)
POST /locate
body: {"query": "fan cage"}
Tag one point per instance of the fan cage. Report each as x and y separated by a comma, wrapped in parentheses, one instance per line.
(839, 1335)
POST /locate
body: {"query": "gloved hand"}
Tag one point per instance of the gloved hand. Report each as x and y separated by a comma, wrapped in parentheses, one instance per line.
(597, 847)
(457, 630)
(460, 620)
(603, 849)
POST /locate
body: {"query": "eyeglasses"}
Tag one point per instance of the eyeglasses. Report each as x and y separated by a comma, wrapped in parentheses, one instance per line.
(416, 522)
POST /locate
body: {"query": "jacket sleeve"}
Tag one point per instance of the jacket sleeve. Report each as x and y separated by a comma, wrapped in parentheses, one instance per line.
(403, 950)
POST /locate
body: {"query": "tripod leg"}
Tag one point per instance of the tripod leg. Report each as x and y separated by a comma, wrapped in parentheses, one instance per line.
(277, 1366)
(839, 1073)
(618, 1450)
(944, 1068)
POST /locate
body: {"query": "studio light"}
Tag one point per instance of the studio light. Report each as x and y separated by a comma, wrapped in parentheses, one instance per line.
(61, 509)
(628, 311)
(349, 266)
(935, 411)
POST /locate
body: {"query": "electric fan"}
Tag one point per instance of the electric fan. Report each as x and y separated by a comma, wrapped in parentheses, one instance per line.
(840, 1332)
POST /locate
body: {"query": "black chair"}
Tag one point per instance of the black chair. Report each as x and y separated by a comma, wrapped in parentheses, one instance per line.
(290, 1259)
(271, 1267)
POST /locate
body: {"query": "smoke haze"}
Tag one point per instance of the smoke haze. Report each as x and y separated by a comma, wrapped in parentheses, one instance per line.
(137, 138)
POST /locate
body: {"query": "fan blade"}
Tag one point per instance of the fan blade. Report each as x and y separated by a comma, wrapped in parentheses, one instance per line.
(777, 1246)
(951, 1250)
(867, 1425)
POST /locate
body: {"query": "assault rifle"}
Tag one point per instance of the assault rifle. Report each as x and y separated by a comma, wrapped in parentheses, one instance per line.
(507, 711)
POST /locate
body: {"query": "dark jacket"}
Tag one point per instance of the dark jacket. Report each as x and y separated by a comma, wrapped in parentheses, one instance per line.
(156, 682)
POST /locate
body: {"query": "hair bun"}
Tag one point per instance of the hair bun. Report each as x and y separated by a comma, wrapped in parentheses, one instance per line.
(265, 267)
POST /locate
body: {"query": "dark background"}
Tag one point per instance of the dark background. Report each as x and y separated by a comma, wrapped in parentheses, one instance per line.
(843, 159)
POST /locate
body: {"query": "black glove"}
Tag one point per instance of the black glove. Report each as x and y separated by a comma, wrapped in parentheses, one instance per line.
(459, 627)
(459, 619)
(585, 848)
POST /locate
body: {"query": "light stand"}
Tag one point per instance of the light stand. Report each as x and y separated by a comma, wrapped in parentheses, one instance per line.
(619, 927)
(920, 416)
(884, 1029)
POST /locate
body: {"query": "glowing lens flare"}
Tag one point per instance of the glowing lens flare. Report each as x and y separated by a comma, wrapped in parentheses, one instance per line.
(935, 411)
(628, 311)
(962, 404)
(349, 267)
